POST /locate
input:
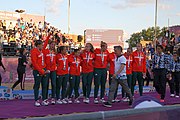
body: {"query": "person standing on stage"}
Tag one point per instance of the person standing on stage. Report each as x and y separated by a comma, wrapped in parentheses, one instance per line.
(160, 62)
(169, 79)
(74, 75)
(100, 71)
(39, 73)
(1, 64)
(87, 57)
(175, 69)
(22, 62)
(138, 68)
(111, 61)
(62, 74)
(119, 77)
(129, 60)
(50, 60)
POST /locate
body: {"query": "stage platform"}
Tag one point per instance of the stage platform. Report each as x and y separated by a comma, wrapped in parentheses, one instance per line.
(21, 108)
(7, 93)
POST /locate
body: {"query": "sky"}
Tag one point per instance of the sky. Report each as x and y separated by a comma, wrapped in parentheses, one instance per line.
(128, 15)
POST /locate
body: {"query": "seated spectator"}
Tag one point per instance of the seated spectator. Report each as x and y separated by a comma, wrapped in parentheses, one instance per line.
(40, 26)
(4, 25)
(10, 27)
(16, 27)
(22, 26)
(5, 39)
(1, 25)
(12, 38)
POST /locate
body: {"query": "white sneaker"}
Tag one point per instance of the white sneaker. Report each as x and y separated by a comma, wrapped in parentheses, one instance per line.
(87, 100)
(102, 100)
(172, 95)
(53, 102)
(76, 100)
(96, 101)
(177, 96)
(69, 101)
(37, 103)
(64, 101)
(125, 100)
(116, 100)
(45, 102)
(59, 101)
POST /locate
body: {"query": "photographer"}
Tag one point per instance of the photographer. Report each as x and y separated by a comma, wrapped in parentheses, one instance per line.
(22, 62)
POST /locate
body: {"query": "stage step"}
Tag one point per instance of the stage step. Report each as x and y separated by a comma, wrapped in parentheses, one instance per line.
(7, 93)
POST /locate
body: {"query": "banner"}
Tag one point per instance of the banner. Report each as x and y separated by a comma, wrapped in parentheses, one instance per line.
(5, 93)
(10, 63)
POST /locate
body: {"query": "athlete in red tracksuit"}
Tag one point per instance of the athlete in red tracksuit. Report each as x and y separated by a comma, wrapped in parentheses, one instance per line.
(138, 68)
(100, 71)
(111, 59)
(50, 60)
(129, 60)
(39, 72)
(62, 74)
(74, 75)
(87, 57)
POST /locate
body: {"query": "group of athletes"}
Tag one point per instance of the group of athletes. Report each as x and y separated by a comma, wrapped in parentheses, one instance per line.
(65, 71)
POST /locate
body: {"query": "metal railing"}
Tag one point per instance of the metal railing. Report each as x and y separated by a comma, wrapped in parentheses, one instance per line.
(105, 115)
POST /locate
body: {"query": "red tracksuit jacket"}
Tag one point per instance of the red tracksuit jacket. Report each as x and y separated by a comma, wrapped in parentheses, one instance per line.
(37, 58)
(74, 64)
(129, 61)
(50, 57)
(139, 62)
(111, 60)
(87, 62)
(62, 64)
(101, 58)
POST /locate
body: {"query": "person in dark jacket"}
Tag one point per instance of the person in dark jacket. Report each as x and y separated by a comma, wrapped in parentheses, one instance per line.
(22, 62)
(1, 64)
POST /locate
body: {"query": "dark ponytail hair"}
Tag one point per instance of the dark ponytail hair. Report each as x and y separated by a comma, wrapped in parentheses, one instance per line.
(38, 42)
(130, 48)
(76, 50)
(60, 49)
(92, 47)
(118, 47)
(50, 42)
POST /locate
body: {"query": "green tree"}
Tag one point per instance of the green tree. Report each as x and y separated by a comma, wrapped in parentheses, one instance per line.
(134, 39)
(146, 35)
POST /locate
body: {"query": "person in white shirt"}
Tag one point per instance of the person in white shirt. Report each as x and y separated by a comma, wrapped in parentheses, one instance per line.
(10, 27)
(119, 77)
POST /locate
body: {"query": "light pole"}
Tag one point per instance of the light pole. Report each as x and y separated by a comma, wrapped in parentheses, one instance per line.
(44, 18)
(155, 29)
(68, 16)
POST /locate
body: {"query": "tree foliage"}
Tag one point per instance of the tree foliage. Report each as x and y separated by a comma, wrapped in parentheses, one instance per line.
(146, 35)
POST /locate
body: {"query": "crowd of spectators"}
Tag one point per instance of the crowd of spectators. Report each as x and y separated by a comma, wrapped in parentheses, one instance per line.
(24, 34)
(171, 46)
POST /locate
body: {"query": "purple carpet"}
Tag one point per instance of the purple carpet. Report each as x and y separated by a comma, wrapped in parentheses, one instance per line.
(26, 108)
